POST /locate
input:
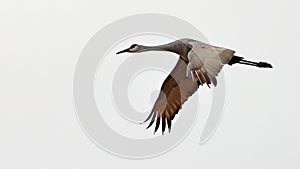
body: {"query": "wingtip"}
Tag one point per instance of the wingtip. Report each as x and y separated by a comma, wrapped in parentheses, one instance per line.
(148, 126)
(157, 124)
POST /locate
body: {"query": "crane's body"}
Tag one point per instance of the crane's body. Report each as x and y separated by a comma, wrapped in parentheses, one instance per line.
(199, 63)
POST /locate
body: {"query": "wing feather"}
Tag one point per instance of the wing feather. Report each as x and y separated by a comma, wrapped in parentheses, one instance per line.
(202, 64)
(206, 61)
(176, 89)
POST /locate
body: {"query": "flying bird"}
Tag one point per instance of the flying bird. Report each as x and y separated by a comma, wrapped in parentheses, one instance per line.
(199, 63)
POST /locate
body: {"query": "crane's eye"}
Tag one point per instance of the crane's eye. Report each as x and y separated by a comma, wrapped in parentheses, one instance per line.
(133, 46)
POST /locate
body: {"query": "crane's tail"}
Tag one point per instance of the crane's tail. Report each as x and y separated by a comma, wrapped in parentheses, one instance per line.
(240, 60)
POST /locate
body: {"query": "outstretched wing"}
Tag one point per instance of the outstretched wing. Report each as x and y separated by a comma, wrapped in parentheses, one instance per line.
(176, 89)
(206, 61)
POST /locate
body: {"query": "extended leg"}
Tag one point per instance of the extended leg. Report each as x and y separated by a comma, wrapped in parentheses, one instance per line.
(240, 60)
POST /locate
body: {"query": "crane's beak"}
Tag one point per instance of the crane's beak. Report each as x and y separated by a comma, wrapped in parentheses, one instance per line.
(123, 51)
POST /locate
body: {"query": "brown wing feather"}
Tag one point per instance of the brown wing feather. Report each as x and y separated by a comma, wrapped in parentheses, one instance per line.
(176, 89)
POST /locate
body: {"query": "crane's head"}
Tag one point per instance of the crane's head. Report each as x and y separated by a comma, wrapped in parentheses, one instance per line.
(132, 49)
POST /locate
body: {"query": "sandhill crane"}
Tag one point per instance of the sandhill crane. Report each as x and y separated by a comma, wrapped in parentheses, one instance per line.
(198, 63)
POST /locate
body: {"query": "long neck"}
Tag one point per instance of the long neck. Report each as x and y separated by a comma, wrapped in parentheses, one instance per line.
(166, 47)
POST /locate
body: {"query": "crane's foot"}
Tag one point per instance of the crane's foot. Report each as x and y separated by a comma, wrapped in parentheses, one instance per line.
(264, 65)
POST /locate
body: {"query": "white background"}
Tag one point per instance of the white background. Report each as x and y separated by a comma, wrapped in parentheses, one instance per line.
(41, 41)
